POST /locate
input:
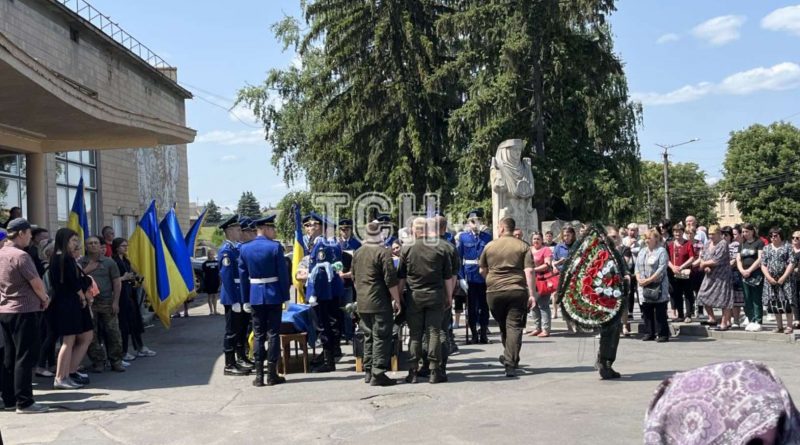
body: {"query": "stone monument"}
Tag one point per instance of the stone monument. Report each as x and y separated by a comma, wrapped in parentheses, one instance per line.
(511, 179)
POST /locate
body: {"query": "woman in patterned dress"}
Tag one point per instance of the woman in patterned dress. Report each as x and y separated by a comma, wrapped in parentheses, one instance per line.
(777, 266)
(716, 292)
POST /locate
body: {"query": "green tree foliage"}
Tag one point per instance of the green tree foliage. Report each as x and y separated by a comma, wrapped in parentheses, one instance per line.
(285, 224)
(761, 174)
(690, 194)
(545, 71)
(248, 205)
(213, 215)
(415, 95)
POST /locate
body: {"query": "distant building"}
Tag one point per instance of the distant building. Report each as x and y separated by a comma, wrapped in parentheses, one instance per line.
(727, 211)
(80, 97)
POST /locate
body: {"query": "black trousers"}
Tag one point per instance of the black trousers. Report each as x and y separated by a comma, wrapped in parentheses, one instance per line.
(477, 306)
(47, 333)
(632, 291)
(326, 317)
(510, 309)
(681, 295)
(266, 327)
(655, 319)
(21, 334)
(235, 329)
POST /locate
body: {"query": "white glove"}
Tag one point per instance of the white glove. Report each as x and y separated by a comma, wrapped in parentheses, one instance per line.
(312, 301)
(462, 283)
(247, 308)
(236, 307)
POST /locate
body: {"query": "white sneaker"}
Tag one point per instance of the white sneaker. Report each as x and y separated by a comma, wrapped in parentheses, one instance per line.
(146, 352)
(129, 357)
(33, 409)
(756, 327)
(125, 364)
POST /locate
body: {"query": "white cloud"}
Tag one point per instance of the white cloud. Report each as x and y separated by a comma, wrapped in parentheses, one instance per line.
(224, 137)
(229, 158)
(780, 77)
(784, 19)
(720, 30)
(667, 38)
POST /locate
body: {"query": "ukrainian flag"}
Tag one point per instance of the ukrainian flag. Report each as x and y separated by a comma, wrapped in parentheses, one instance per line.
(146, 253)
(191, 235)
(298, 252)
(77, 220)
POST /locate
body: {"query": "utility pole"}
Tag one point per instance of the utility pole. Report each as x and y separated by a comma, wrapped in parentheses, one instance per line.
(666, 172)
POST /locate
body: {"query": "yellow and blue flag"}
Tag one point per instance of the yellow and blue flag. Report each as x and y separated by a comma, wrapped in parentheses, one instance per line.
(298, 252)
(146, 253)
(78, 220)
(191, 235)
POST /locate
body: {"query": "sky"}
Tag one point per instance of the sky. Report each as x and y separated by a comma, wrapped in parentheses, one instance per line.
(700, 69)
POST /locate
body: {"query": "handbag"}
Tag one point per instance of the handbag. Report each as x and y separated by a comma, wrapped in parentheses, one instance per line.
(547, 283)
(652, 292)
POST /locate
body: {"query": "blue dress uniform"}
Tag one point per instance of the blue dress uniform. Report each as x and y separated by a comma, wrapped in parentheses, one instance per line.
(386, 220)
(325, 287)
(265, 284)
(230, 297)
(470, 247)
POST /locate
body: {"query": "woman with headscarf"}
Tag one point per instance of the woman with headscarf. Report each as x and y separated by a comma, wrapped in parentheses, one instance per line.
(740, 402)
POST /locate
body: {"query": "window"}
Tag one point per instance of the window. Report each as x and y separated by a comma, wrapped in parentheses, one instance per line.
(116, 223)
(12, 184)
(70, 167)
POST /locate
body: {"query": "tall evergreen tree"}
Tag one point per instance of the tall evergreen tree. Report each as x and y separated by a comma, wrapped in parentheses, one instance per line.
(213, 214)
(373, 116)
(545, 71)
(248, 205)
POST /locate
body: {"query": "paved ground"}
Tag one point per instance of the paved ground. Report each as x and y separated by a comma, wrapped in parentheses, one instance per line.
(181, 396)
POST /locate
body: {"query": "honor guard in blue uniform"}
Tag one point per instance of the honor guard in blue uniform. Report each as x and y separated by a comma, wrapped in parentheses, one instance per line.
(265, 284)
(387, 229)
(348, 244)
(248, 234)
(248, 229)
(324, 287)
(230, 297)
(470, 245)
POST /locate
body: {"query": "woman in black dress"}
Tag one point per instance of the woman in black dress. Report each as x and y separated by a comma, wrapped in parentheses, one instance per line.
(71, 310)
(130, 315)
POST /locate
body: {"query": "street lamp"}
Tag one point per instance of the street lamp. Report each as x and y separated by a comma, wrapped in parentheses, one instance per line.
(666, 172)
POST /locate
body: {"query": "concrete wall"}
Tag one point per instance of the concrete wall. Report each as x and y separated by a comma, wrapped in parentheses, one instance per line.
(127, 179)
(42, 29)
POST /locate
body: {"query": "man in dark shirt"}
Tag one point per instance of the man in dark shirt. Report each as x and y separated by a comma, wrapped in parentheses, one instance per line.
(378, 297)
(426, 265)
(510, 289)
(210, 270)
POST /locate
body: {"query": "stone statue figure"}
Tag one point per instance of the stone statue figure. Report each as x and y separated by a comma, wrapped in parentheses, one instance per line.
(511, 178)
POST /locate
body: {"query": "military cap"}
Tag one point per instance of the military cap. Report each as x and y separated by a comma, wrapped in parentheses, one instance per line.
(345, 222)
(230, 222)
(265, 221)
(312, 217)
(384, 217)
(246, 223)
(475, 213)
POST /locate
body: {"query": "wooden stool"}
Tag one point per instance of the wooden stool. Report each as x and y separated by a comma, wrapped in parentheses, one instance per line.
(300, 342)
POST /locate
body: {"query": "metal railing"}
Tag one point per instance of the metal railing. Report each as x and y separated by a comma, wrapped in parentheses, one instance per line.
(113, 30)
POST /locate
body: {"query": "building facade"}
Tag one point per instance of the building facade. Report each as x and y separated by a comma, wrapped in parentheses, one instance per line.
(79, 97)
(727, 211)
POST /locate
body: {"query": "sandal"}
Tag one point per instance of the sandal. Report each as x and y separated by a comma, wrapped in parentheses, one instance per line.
(534, 333)
(543, 334)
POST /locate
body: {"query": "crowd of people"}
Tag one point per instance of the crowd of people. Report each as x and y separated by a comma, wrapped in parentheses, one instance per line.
(67, 307)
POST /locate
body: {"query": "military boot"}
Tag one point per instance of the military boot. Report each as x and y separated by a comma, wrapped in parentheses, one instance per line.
(328, 365)
(473, 338)
(443, 368)
(412, 376)
(605, 369)
(437, 376)
(242, 361)
(484, 338)
(382, 380)
(272, 374)
(259, 380)
(367, 375)
(230, 365)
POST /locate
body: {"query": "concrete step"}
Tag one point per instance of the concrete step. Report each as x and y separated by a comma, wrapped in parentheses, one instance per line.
(695, 329)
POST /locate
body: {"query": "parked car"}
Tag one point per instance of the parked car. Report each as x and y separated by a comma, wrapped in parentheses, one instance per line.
(200, 257)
